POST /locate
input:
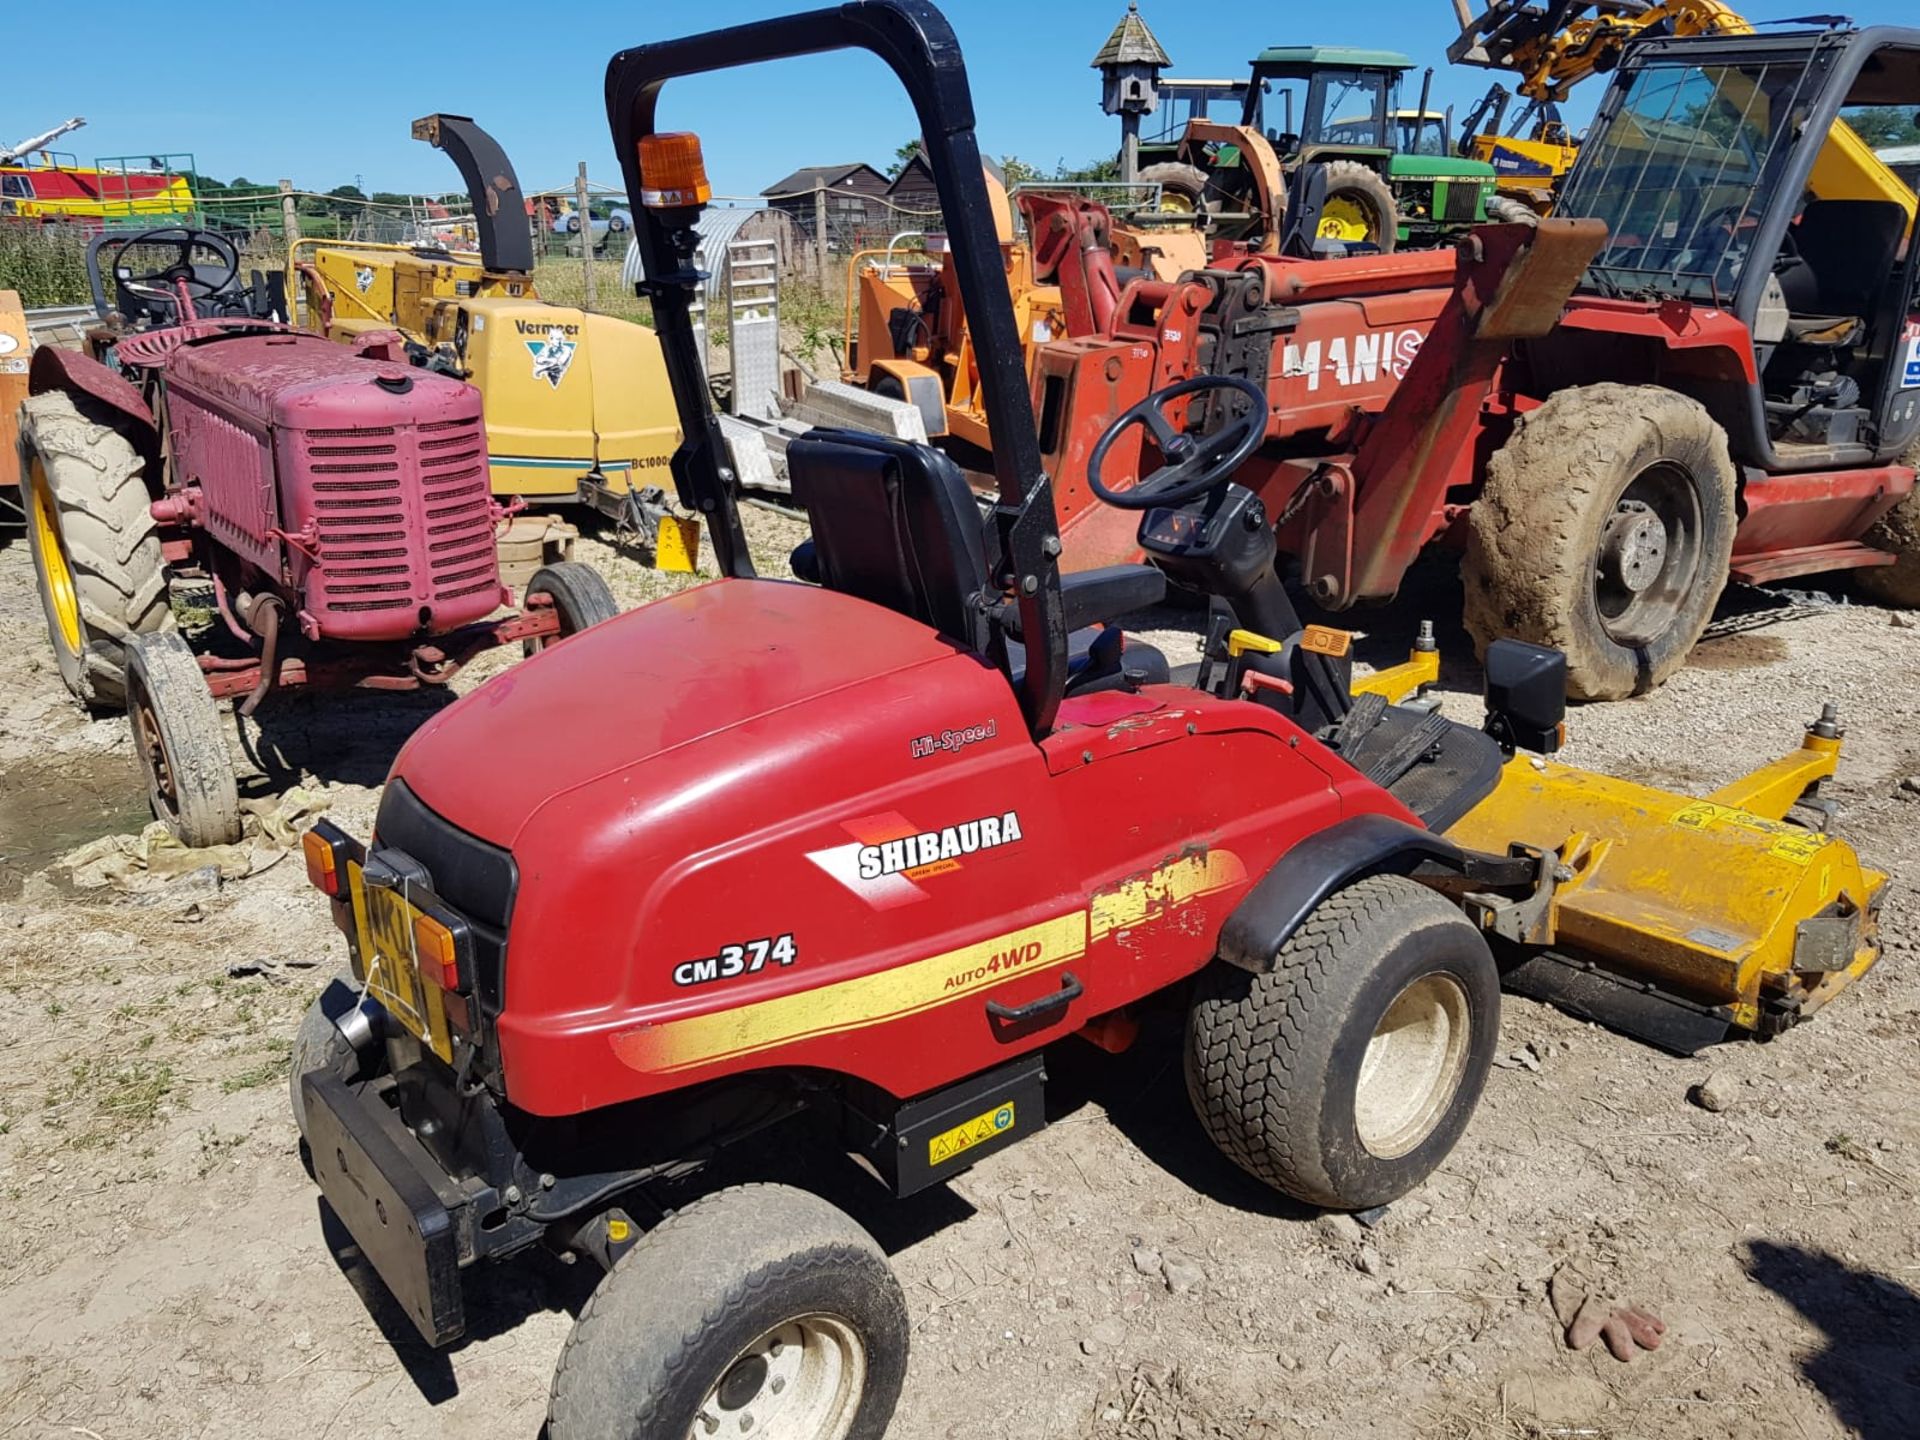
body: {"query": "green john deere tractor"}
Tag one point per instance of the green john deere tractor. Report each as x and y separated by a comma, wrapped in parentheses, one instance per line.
(1391, 176)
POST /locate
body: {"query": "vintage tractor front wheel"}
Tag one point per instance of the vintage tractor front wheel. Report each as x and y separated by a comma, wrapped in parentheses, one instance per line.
(579, 596)
(178, 743)
(1348, 1071)
(1604, 530)
(96, 556)
(1358, 208)
(1897, 531)
(758, 1311)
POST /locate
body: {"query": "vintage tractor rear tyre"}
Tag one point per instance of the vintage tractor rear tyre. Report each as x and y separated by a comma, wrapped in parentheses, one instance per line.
(1348, 1071)
(761, 1309)
(1358, 197)
(96, 555)
(580, 597)
(1898, 531)
(1505, 210)
(1604, 529)
(1183, 188)
(178, 742)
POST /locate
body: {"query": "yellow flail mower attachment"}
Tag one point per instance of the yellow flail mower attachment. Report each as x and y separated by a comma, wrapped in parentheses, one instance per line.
(1673, 918)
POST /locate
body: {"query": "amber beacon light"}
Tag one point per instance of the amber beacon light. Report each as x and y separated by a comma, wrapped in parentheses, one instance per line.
(673, 173)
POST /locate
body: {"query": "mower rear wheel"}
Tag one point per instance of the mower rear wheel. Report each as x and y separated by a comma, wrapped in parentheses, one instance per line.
(178, 742)
(1604, 529)
(96, 555)
(758, 1311)
(1358, 207)
(1897, 531)
(1348, 1071)
(580, 597)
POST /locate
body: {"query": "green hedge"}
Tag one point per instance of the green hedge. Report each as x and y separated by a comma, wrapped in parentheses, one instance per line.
(47, 264)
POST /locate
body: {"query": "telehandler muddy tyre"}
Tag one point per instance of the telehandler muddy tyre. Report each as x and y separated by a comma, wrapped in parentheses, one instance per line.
(1604, 529)
(96, 555)
(1357, 196)
(758, 1311)
(1899, 531)
(580, 596)
(1348, 1071)
(1183, 188)
(1505, 210)
(179, 742)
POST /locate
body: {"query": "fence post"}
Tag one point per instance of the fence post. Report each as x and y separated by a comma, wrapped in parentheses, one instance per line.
(820, 230)
(586, 228)
(289, 217)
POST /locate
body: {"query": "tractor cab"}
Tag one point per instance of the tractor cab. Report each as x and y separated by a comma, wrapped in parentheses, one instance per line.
(1732, 179)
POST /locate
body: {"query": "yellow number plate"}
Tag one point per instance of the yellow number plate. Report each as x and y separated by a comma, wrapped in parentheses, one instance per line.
(384, 921)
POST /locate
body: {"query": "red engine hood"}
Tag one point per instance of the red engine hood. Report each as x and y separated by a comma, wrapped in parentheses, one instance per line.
(666, 675)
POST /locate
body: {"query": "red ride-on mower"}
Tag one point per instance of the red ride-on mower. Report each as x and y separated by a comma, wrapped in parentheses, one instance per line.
(333, 507)
(859, 850)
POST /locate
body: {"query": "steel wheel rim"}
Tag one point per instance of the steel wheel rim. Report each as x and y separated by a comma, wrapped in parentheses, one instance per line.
(1414, 1063)
(1174, 202)
(150, 748)
(801, 1380)
(1649, 554)
(1344, 218)
(53, 561)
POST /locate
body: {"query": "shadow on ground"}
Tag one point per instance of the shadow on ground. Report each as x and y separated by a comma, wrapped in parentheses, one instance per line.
(1868, 1369)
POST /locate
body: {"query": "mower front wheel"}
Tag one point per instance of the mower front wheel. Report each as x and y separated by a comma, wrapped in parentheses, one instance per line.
(579, 595)
(1345, 1073)
(758, 1311)
(178, 742)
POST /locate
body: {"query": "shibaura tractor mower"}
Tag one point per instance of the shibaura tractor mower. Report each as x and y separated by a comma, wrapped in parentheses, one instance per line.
(577, 407)
(331, 510)
(1699, 373)
(856, 852)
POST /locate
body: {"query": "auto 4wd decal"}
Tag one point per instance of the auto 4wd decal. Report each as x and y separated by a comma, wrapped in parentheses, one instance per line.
(553, 356)
(1158, 897)
(889, 853)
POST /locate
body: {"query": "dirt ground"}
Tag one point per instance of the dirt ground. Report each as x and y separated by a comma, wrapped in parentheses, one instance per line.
(164, 1261)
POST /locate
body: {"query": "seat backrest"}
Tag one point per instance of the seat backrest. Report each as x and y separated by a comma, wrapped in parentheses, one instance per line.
(1850, 246)
(895, 524)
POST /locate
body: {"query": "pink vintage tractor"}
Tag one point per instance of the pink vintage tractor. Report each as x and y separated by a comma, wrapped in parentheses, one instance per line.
(332, 505)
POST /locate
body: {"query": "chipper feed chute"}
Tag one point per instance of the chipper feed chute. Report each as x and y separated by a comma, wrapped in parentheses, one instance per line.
(1678, 919)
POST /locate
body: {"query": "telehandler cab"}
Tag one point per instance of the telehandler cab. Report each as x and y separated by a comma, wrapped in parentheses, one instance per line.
(861, 849)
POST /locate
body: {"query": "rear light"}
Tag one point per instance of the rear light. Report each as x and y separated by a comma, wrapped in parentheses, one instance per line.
(328, 851)
(673, 173)
(437, 950)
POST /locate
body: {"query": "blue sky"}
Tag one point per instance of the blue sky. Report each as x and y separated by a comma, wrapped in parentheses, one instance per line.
(283, 97)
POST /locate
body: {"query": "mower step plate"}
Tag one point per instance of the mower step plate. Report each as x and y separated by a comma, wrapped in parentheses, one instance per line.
(387, 1204)
(937, 1136)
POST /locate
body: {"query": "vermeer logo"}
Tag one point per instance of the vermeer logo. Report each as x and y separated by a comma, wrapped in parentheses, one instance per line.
(930, 847)
(553, 356)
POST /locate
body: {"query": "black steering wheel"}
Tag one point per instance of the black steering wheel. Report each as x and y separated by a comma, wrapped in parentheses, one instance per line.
(1195, 463)
(158, 284)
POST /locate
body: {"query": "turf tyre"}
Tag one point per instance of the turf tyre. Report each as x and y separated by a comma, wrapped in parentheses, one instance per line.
(1274, 1062)
(679, 1312)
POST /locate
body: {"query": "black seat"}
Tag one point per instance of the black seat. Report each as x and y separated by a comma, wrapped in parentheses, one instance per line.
(895, 524)
(1845, 250)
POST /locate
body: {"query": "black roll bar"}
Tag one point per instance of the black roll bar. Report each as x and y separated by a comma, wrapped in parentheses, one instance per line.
(916, 41)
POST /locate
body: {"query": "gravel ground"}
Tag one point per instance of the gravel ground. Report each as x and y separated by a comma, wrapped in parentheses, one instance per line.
(164, 1267)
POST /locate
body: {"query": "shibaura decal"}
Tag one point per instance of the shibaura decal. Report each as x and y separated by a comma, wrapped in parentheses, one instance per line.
(553, 356)
(889, 854)
(952, 742)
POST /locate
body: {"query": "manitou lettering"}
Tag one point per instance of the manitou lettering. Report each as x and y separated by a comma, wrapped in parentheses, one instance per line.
(1353, 360)
(930, 847)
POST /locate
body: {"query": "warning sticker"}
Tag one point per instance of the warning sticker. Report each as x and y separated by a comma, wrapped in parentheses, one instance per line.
(1789, 843)
(1799, 848)
(1910, 371)
(976, 1131)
